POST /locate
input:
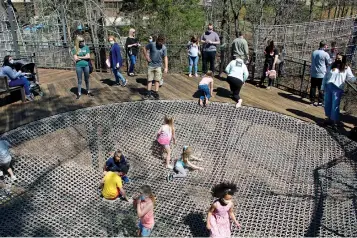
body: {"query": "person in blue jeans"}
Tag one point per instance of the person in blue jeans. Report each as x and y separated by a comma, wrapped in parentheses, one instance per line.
(205, 87)
(15, 78)
(332, 85)
(193, 48)
(81, 55)
(320, 61)
(132, 48)
(116, 61)
(118, 163)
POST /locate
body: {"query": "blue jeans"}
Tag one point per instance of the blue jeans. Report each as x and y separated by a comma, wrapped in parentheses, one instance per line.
(145, 232)
(193, 60)
(118, 76)
(332, 101)
(204, 90)
(21, 81)
(80, 71)
(132, 63)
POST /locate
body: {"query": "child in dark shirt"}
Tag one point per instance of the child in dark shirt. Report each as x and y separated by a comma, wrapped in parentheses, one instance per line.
(118, 163)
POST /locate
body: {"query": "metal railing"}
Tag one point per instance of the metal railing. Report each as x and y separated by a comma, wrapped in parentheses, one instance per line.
(54, 55)
(296, 77)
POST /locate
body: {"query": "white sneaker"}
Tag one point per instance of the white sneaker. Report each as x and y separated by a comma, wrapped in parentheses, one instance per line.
(29, 98)
(239, 104)
(161, 82)
(170, 166)
(13, 178)
(1, 173)
(190, 75)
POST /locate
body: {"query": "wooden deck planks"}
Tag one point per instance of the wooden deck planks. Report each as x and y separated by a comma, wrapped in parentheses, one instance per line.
(60, 87)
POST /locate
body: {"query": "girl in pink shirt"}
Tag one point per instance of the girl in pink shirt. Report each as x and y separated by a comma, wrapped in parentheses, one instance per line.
(145, 209)
(205, 87)
(164, 136)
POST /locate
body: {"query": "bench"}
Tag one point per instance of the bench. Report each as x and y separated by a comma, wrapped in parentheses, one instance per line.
(6, 89)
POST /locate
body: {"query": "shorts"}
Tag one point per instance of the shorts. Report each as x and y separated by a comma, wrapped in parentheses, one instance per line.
(154, 73)
(145, 232)
(164, 140)
(114, 198)
(5, 166)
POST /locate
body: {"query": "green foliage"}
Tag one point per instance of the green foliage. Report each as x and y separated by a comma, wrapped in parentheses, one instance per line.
(177, 20)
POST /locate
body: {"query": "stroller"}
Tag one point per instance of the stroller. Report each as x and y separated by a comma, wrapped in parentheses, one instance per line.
(29, 70)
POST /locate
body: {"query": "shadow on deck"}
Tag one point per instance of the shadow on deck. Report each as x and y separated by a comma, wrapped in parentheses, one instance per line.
(60, 87)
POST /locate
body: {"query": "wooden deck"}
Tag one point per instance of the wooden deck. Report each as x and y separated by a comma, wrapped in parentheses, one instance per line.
(60, 96)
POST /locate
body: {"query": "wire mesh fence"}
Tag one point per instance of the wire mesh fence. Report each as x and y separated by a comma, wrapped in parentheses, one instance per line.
(300, 40)
(53, 55)
(295, 77)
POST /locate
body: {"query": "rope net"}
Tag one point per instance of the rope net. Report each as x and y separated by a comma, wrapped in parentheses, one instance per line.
(294, 178)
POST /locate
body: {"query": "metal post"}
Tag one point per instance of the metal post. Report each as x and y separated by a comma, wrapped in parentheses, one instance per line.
(26, 11)
(252, 65)
(63, 20)
(302, 77)
(10, 13)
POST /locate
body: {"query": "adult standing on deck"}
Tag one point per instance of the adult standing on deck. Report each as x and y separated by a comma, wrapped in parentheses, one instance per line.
(132, 48)
(81, 55)
(333, 84)
(240, 48)
(116, 61)
(271, 57)
(157, 52)
(320, 60)
(210, 40)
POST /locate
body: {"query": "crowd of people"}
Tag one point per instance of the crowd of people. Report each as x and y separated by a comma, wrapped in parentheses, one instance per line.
(329, 69)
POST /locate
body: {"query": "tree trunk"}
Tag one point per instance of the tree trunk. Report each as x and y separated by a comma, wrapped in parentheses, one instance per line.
(224, 24)
(322, 9)
(352, 8)
(311, 9)
(329, 11)
(261, 11)
(337, 7)
(236, 15)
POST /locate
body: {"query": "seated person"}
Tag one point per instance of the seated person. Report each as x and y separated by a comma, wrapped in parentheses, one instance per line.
(118, 163)
(5, 160)
(112, 186)
(15, 78)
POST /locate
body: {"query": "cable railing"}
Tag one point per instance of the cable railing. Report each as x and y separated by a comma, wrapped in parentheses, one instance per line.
(296, 79)
(293, 74)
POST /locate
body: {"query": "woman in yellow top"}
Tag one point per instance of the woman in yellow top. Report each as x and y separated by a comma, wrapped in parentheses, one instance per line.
(112, 186)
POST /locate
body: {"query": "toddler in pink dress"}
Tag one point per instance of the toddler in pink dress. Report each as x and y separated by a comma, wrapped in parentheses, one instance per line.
(221, 211)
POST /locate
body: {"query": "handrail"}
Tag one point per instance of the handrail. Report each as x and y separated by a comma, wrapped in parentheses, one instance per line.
(308, 63)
